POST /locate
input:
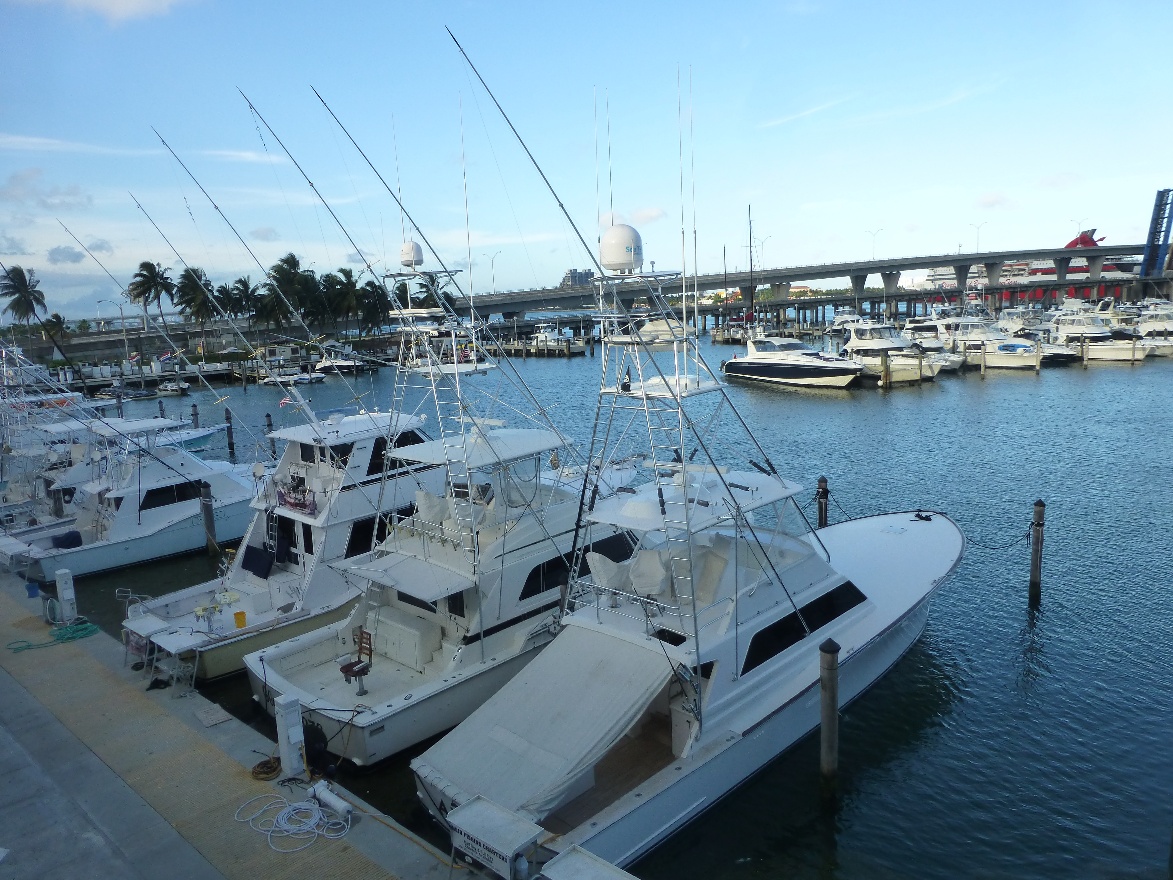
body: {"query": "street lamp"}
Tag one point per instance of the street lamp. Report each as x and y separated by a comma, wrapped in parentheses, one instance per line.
(977, 245)
(1078, 225)
(873, 233)
(762, 249)
(493, 269)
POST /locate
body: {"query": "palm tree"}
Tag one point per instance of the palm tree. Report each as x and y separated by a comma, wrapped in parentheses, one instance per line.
(344, 296)
(24, 299)
(374, 305)
(149, 285)
(298, 288)
(194, 297)
(244, 299)
(55, 325)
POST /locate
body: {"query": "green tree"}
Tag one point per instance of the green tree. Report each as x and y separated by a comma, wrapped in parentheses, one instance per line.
(244, 299)
(83, 326)
(289, 290)
(149, 285)
(374, 306)
(195, 298)
(20, 289)
(55, 326)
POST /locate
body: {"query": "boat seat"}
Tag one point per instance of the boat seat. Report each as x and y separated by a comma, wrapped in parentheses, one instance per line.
(649, 573)
(608, 574)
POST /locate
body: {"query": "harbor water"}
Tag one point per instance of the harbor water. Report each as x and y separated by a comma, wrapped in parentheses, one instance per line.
(1010, 741)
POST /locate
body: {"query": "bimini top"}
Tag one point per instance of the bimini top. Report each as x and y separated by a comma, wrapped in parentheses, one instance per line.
(116, 427)
(341, 429)
(482, 449)
(421, 578)
(709, 502)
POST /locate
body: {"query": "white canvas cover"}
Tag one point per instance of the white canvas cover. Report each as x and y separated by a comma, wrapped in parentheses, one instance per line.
(527, 745)
(410, 574)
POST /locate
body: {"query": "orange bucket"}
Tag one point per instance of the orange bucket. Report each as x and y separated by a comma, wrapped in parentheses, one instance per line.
(239, 617)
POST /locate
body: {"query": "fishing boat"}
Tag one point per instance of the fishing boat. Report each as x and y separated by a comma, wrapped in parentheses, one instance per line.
(324, 503)
(779, 360)
(679, 673)
(173, 388)
(882, 352)
(149, 504)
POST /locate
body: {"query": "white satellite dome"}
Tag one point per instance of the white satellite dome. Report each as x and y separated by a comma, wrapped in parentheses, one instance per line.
(621, 250)
(411, 255)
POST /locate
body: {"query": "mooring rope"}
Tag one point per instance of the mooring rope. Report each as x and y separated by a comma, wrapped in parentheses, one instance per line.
(79, 629)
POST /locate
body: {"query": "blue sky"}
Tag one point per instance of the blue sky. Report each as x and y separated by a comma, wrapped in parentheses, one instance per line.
(910, 128)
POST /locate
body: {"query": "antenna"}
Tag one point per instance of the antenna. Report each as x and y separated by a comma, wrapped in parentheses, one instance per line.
(467, 236)
(398, 178)
(610, 176)
(598, 207)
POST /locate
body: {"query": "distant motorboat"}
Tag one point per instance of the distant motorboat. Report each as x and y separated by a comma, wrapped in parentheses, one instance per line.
(778, 360)
(173, 388)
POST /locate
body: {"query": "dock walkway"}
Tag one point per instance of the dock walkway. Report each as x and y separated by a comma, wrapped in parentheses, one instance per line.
(104, 779)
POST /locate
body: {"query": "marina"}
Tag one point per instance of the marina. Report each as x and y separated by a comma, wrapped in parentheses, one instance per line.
(991, 679)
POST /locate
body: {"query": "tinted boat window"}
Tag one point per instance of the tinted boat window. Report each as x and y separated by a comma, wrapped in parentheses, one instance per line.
(772, 640)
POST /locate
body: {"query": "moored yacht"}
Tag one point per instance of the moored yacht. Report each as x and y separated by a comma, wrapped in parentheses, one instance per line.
(329, 496)
(682, 671)
(886, 355)
(779, 360)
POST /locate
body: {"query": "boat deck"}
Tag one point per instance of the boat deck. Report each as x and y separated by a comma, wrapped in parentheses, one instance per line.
(634, 759)
(388, 680)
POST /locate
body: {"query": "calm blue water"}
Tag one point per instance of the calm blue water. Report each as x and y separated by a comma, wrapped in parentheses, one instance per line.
(1008, 743)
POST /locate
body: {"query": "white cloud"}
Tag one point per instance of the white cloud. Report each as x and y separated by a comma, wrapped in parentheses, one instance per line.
(65, 254)
(24, 187)
(994, 200)
(646, 216)
(264, 233)
(31, 144)
(242, 156)
(113, 10)
(802, 113)
(100, 246)
(10, 245)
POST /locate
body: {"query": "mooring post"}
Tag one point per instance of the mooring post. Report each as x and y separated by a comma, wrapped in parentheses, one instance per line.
(885, 370)
(1038, 356)
(983, 359)
(829, 726)
(823, 496)
(1083, 347)
(162, 414)
(231, 442)
(209, 518)
(269, 431)
(1036, 551)
(195, 415)
(118, 402)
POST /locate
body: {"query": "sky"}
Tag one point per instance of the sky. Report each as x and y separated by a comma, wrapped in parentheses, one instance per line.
(842, 130)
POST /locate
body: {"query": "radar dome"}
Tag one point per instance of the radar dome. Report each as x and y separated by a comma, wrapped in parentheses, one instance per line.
(621, 250)
(411, 255)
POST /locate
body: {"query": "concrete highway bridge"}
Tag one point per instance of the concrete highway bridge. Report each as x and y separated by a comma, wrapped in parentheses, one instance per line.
(514, 304)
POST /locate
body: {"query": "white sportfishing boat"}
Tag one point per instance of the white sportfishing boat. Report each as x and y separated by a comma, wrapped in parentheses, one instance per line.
(680, 673)
(459, 594)
(458, 597)
(148, 505)
(331, 493)
(879, 348)
(780, 360)
(1085, 333)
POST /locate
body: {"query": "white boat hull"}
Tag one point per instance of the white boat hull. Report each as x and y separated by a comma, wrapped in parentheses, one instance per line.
(175, 539)
(682, 791)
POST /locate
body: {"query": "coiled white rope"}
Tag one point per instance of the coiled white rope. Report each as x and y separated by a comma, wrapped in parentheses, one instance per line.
(305, 821)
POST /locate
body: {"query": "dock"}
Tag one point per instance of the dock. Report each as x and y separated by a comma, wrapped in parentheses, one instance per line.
(106, 779)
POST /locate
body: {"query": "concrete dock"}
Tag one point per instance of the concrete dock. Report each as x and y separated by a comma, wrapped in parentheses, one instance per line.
(105, 779)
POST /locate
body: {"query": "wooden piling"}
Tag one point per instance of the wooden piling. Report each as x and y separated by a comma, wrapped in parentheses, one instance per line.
(885, 370)
(823, 497)
(1036, 551)
(162, 414)
(209, 518)
(829, 719)
(118, 403)
(983, 359)
(231, 442)
(195, 415)
(269, 431)
(1038, 356)
(1083, 349)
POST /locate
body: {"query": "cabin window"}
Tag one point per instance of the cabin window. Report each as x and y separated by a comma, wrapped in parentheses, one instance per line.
(340, 454)
(286, 540)
(550, 574)
(772, 640)
(362, 533)
(456, 604)
(379, 453)
(308, 453)
(408, 599)
(307, 538)
(162, 496)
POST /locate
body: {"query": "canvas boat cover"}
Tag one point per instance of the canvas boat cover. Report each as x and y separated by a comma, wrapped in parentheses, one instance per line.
(530, 743)
(409, 574)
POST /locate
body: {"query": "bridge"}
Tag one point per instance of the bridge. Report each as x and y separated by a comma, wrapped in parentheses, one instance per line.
(517, 302)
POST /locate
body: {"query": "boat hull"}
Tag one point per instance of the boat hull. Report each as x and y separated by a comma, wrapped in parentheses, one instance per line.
(370, 736)
(799, 375)
(175, 539)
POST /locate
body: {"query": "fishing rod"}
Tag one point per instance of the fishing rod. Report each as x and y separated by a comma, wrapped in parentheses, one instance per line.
(512, 376)
(161, 329)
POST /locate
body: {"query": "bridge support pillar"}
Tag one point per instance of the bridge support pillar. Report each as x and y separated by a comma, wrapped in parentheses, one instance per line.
(857, 285)
(1062, 264)
(994, 273)
(780, 289)
(961, 273)
(1095, 266)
